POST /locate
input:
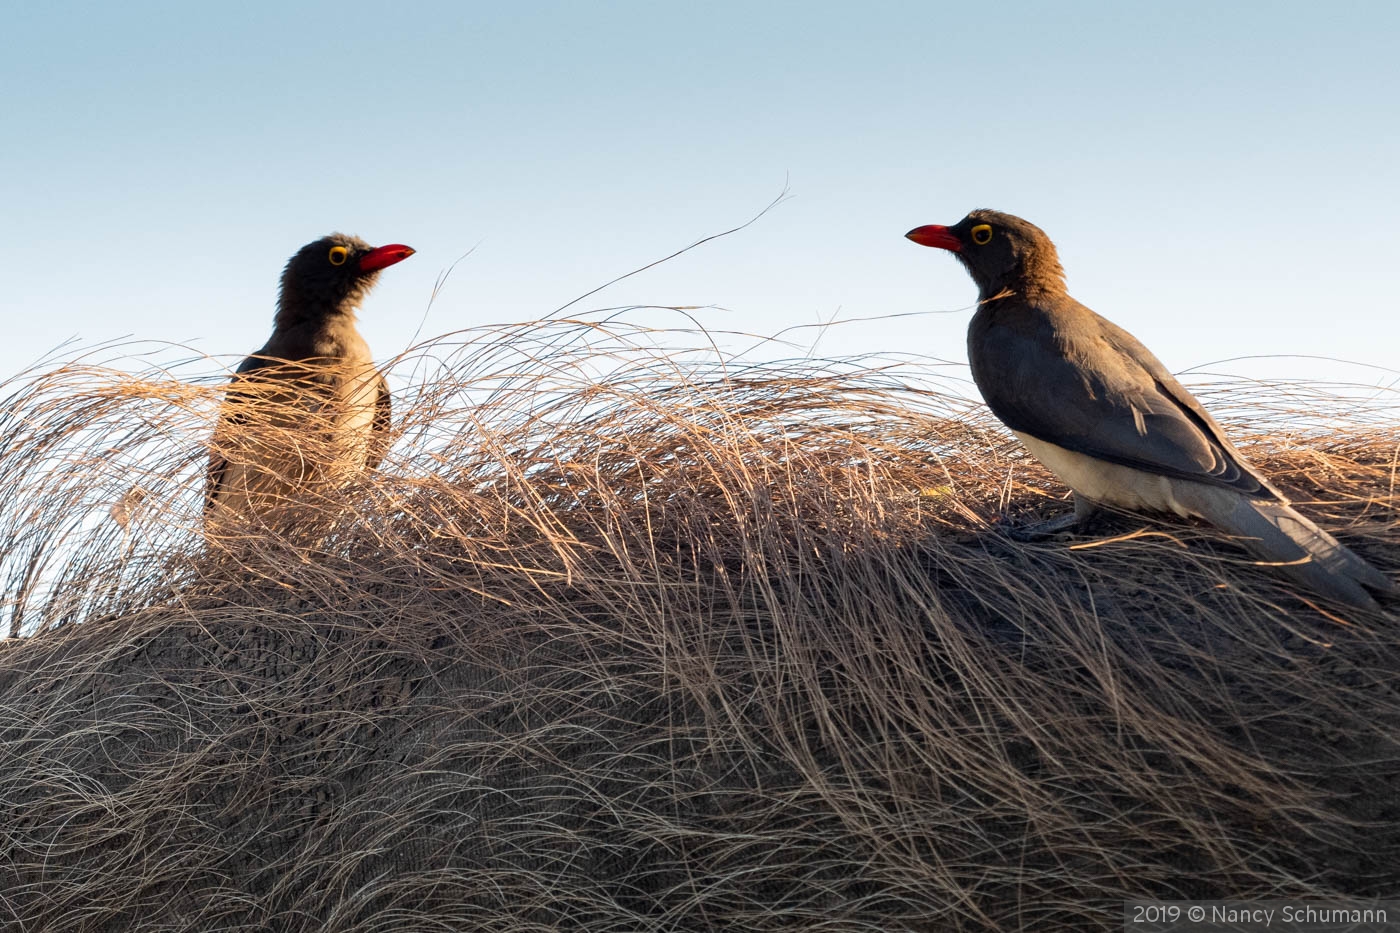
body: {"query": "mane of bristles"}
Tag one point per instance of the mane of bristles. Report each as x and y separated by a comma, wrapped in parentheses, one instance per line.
(628, 638)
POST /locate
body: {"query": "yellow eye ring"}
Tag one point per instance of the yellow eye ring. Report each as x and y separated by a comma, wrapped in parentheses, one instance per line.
(339, 255)
(982, 234)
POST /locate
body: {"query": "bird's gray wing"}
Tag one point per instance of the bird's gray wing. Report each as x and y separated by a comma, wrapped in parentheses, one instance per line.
(379, 428)
(1088, 386)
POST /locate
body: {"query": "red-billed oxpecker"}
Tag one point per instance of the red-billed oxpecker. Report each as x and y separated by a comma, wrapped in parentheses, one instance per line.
(309, 407)
(1096, 407)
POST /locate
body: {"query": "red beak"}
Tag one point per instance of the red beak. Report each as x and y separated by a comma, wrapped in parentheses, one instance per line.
(935, 235)
(384, 256)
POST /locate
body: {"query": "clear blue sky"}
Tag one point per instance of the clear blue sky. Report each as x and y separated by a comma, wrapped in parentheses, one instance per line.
(1222, 179)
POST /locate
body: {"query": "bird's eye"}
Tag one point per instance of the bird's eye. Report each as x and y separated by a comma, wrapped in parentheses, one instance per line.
(982, 234)
(338, 255)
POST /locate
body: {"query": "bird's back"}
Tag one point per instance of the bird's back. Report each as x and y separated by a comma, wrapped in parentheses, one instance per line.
(1057, 371)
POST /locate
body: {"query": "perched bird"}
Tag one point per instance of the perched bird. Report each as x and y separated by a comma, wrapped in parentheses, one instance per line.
(1096, 407)
(310, 406)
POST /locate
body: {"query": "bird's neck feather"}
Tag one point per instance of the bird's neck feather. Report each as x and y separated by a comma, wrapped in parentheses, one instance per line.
(1035, 274)
(297, 305)
(1033, 282)
(329, 333)
(296, 314)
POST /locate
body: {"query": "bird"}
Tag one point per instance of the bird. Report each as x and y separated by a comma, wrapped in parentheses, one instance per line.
(1097, 408)
(310, 406)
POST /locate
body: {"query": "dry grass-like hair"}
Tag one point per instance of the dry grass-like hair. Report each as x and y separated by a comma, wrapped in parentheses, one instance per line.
(622, 638)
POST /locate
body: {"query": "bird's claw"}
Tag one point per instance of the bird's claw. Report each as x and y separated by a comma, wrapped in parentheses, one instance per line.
(1039, 531)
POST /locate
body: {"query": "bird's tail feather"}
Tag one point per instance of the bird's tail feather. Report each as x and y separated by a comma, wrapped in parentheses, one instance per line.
(1274, 532)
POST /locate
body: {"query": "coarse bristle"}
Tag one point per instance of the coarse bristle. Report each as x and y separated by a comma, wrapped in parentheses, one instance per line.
(621, 638)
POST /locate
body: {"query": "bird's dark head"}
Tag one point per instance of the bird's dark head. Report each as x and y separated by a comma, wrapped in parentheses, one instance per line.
(1002, 253)
(332, 276)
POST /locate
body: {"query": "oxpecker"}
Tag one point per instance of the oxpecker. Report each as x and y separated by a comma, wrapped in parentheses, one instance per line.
(1096, 407)
(309, 407)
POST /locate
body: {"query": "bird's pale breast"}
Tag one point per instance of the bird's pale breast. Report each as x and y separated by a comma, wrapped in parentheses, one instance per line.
(1105, 482)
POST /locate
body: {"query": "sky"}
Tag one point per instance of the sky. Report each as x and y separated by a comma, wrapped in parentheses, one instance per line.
(1221, 179)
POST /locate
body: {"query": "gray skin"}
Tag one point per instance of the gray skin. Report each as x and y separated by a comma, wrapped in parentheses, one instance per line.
(310, 404)
(1096, 407)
